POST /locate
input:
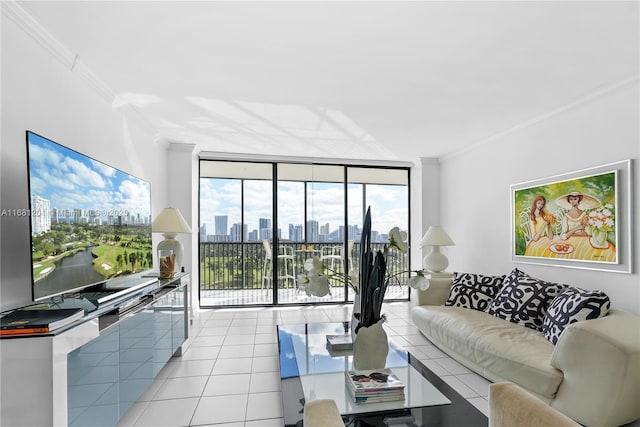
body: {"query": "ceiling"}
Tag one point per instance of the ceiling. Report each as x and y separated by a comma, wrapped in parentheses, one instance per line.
(357, 80)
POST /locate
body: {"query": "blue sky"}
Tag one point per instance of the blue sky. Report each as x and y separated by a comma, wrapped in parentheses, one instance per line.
(71, 180)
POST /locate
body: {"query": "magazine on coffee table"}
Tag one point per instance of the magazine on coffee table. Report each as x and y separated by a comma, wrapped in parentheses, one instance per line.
(378, 385)
(389, 397)
(378, 381)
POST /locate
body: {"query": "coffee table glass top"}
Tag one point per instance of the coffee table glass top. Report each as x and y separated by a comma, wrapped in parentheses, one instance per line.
(304, 354)
(309, 372)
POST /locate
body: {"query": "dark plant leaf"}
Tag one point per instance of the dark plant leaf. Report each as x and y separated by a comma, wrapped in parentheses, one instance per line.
(373, 280)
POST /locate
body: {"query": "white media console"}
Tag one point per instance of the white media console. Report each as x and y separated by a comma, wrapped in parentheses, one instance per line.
(91, 372)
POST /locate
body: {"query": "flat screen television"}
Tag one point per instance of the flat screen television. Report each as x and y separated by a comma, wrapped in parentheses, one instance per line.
(90, 222)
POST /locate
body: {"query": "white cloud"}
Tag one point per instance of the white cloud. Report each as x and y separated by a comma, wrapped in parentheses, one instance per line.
(134, 196)
(41, 155)
(104, 170)
(54, 178)
(81, 175)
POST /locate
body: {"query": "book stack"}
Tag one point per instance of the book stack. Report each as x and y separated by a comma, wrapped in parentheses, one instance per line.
(37, 321)
(342, 342)
(380, 385)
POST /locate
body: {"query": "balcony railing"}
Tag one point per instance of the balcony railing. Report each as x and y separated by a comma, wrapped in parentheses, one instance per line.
(228, 266)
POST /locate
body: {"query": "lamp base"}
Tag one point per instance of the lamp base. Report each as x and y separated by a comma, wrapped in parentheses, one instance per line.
(170, 243)
(436, 261)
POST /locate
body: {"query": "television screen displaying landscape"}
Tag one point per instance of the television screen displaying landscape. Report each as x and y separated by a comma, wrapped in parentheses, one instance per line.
(90, 222)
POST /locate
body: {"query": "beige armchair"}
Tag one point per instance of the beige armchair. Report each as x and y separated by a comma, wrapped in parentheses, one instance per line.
(322, 413)
(510, 405)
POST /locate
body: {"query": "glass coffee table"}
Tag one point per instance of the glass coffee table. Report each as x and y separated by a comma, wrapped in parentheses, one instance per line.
(308, 371)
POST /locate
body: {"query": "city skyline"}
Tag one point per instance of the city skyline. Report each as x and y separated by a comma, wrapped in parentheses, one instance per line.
(43, 216)
(325, 204)
(323, 233)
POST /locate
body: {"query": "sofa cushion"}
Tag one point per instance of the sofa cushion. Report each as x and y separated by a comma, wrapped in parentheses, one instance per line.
(502, 350)
(524, 299)
(573, 305)
(475, 291)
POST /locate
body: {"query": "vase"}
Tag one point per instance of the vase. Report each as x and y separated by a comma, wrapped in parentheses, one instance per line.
(599, 239)
(370, 347)
(355, 315)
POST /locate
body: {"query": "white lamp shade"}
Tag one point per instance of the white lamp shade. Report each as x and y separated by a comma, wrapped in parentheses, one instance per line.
(170, 220)
(436, 236)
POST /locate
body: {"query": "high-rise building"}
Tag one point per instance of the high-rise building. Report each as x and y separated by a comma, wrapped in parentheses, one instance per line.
(313, 231)
(78, 216)
(336, 235)
(264, 227)
(238, 232)
(296, 233)
(266, 233)
(265, 222)
(40, 214)
(221, 225)
(203, 233)
(354, 232)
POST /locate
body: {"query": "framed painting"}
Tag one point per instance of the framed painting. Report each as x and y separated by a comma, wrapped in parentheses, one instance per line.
(580, 219)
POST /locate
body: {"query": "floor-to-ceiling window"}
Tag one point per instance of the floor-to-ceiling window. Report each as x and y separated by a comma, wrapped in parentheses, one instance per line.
(386, 192)
(236, 208)
(260, 222)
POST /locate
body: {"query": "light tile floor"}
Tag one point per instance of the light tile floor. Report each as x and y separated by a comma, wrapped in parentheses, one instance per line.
(228, 376)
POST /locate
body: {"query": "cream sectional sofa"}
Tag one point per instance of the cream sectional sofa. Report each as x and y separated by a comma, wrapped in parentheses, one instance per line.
(592, 373)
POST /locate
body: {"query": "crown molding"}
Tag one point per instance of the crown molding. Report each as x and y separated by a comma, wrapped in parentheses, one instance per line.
(586, 99)
(18, 15)
(29, 25)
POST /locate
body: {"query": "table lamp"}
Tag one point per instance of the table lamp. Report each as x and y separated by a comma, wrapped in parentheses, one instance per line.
(436, 261)
(170, 222)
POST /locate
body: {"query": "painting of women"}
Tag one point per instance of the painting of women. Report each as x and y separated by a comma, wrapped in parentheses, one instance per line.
(574, 221)
(578, 219)
(540, 220)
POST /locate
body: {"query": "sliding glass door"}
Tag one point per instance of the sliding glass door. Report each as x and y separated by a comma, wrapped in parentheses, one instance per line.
(311, 207)
(386, 192)
(260, 223)
(236, 217)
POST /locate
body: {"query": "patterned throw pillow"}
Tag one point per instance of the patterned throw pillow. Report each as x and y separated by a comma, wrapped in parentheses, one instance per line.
(474, 291)
(573, 305)
(524, 299)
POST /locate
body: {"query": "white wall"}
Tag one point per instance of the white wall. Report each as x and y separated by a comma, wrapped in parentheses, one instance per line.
(475, 187)
(183, 186)
(41, 93)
